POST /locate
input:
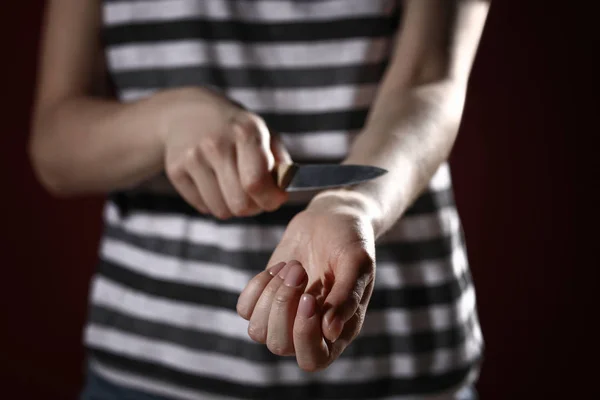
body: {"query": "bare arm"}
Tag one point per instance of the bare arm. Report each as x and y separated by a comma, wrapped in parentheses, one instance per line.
(415, 118)
(410, 131)
(82, 142)
(216, 155)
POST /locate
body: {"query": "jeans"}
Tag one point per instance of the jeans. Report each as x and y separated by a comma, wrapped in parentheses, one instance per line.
(97, 388)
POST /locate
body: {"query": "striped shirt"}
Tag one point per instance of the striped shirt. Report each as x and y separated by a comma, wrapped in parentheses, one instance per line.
(163, 301)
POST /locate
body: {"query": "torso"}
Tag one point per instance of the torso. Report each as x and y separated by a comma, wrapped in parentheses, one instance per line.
(162, 316)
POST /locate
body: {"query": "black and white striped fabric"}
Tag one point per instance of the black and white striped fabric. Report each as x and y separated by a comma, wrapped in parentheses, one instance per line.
(162, 314)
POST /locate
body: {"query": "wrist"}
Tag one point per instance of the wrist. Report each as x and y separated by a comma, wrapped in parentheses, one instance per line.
(352, 202)
(206, 104)
(167, 106)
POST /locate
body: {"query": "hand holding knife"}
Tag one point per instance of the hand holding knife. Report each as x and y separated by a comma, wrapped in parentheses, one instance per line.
(294, 177)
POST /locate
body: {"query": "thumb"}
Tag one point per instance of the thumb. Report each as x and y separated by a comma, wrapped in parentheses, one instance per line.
(279, 151)
(353, 274)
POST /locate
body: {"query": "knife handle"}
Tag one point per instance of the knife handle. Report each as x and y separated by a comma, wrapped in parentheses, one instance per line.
(283, 174)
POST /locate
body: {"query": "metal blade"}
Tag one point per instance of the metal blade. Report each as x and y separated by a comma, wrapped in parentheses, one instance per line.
(319, 176)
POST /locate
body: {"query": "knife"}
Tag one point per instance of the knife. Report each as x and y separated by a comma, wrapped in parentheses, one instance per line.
(294, 177)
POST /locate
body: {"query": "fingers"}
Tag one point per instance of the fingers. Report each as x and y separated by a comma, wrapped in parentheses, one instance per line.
(259, 320)
(283, 310)
(184, 184)
(291, 323)
(221, 155)
(279, 151)
(355, 271)
(206, 184)
(227, 172)
(312, 352)
(253, 290)
(255, 162)
(239, 202)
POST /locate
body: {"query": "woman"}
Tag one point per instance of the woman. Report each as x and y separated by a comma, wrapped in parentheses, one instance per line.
(213, 282)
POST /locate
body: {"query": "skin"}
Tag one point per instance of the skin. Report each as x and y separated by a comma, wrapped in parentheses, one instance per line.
(83, 142)
(312, 300)
(410, 132)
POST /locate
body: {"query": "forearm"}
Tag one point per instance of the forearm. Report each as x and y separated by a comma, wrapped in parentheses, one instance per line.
(409, 135)
(90, 145)
(415, 117)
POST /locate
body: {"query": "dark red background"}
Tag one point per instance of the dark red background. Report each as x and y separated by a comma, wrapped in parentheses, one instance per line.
(513, 174)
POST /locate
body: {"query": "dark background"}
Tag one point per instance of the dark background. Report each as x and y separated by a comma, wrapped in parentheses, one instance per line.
(513, 170)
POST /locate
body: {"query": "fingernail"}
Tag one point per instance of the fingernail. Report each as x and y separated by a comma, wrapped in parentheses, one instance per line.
(284, 271)
(307, 306)
(295, 276)
(276, 268)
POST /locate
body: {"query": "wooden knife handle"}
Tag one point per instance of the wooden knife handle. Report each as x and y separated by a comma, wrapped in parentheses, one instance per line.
(284, 173)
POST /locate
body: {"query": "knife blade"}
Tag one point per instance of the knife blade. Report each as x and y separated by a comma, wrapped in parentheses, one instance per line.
(298, 177)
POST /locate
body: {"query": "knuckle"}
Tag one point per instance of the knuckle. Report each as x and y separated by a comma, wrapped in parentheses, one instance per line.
(273, 203)
(190, 158)
(252, 211)
(257, 283)
(215, 145)
(248, 131)
(221, 214)
(282, 297)
(257, 333)
(241, 207)
(271, 289)
(279, 348)
(256, 182)
(175, 171)
(238, 212)
(250, 120)
(244, 119)
(310, 366)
